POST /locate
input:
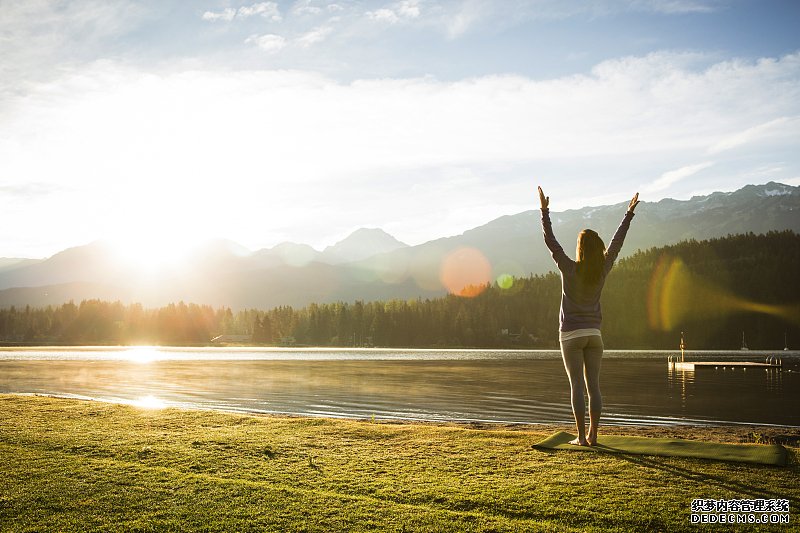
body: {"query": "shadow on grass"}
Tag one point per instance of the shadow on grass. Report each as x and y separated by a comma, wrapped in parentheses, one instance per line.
(700, 475)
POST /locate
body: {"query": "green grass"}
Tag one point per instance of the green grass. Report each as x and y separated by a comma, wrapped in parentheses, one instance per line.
(69, 465)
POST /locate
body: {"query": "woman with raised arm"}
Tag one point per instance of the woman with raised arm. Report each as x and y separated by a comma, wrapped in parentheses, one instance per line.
(580, 317)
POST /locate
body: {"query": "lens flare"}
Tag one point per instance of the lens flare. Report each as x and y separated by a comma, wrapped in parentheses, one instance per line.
(466, 272)
(505, 281)
(676, 295)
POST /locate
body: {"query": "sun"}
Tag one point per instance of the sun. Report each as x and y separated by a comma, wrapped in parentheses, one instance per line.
(152, 252)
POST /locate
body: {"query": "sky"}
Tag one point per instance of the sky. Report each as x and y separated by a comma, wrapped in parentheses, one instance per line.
(162, 123)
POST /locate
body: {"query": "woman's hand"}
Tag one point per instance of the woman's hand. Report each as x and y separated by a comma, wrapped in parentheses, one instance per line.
(545, 200)
(631, 206)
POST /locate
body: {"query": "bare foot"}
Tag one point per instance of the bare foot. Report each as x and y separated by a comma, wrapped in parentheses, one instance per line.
(579, 442)
(592, 437)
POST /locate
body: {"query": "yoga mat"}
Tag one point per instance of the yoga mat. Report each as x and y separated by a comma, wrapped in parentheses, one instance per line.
(767, 454)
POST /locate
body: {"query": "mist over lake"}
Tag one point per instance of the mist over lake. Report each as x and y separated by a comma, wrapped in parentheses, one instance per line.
(443, 385)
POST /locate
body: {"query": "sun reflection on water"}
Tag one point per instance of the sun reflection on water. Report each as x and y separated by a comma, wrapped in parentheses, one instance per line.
(143, 354)
(149, 402)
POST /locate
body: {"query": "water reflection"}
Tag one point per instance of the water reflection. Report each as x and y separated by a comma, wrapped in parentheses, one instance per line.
(480, 386)
(677, 379)
(774, 379)
(143, 354)
(738, 393)
(148, 402)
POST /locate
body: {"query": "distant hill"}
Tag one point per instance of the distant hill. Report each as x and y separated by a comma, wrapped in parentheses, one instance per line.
(513, 244)
(372, 265)
(361, 244)
(714, 291)
(9, 263)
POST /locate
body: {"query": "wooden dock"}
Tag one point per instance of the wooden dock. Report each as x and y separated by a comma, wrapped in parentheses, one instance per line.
(698, 365)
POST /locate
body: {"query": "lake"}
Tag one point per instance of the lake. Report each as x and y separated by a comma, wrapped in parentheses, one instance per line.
(442, 385)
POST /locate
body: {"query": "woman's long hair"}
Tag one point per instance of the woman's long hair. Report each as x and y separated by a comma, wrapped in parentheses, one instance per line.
(591, 256)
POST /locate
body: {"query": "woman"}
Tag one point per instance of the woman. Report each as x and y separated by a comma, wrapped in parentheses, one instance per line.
(580, 318)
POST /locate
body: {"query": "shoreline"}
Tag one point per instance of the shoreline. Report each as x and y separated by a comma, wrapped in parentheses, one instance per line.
(731, 433)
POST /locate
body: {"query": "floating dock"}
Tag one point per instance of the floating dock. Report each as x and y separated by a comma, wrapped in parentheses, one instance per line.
(677, 362)
(698, 365)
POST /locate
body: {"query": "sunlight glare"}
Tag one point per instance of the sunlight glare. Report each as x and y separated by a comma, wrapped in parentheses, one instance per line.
(143, 354)
(149, 253)
(149, 402)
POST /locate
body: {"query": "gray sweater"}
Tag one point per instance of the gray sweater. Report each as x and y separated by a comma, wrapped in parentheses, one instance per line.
(580, 303)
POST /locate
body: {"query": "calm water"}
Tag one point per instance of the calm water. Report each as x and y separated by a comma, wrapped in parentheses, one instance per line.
(498, 386)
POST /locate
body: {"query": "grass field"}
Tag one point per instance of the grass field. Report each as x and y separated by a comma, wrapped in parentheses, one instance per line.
(70, 465)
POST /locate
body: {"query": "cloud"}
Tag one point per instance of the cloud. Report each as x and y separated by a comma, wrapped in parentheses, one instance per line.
(226, 14)
(269, 43)
(314, 36)
(397, 12)
(306, 7)
(670, 178)
(675, 7)
(268, 10)
(40, 37)
(384, 15)
(468, 14)
(265, 9)
(650, 104)
(459, 17)
(263, 153)
(29, 190)
(755, 133)
(409, 8)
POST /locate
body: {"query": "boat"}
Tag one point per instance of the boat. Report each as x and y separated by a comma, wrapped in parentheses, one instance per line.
(785, 343)
(744, 343)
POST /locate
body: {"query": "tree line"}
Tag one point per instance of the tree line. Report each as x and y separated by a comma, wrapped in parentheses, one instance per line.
(714, 291)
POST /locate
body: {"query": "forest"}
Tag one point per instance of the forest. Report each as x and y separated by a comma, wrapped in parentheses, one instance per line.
(716, 292)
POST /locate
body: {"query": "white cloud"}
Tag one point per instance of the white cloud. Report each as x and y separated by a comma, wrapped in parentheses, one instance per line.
(408, 8)
(459, 17)
(674, 7)
(470, 13)
(384, 15)
(39, 37)
(268, 10)
(397, 12)
(226, 14)
(269, 43)
(755, 133)
(670, 178)
(266, 152)
(306, 7)
(314, 36)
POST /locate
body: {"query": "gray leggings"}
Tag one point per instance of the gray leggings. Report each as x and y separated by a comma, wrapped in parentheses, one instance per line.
(582, 357)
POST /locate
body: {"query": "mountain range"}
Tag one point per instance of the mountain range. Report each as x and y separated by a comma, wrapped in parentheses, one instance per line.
(370, 264)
